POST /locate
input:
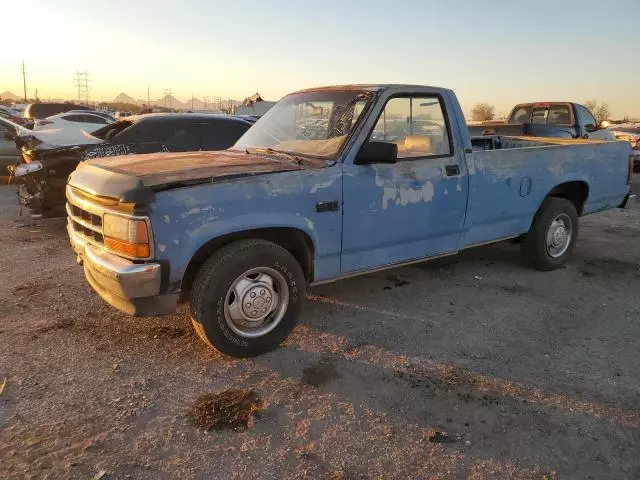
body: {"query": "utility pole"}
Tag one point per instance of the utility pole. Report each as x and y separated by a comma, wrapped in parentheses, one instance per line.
(192, 102)
(24, 80)
(36, 95)
(148, 101)
(82, 82)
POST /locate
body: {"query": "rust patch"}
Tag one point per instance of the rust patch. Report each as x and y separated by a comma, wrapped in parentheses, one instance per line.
(231, 409)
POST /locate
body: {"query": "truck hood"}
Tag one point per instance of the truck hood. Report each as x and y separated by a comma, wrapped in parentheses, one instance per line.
(135, 178)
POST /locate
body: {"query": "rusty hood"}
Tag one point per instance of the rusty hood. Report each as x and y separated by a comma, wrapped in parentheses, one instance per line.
(134, 178)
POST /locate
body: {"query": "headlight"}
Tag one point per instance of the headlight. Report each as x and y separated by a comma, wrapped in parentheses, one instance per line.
(126, 236)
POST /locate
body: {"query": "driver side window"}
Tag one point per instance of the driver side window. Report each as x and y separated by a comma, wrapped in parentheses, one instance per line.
(416, 125)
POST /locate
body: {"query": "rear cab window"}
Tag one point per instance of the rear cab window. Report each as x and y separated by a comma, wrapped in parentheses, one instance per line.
(559, 115)
(551, 114)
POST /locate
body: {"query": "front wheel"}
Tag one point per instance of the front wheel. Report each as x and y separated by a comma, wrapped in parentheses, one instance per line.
(247, 297)
(552, 236)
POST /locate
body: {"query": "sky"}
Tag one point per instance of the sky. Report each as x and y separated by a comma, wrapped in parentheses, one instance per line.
(498, 51)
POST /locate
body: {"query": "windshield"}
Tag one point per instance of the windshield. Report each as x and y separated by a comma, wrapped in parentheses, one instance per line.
(310, 123)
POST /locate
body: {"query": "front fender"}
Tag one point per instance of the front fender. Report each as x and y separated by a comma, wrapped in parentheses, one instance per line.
(179, 245)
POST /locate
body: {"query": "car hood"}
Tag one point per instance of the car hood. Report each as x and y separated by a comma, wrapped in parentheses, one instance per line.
(133, 178)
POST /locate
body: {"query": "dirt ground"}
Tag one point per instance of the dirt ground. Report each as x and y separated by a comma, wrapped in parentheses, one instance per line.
(473, 368)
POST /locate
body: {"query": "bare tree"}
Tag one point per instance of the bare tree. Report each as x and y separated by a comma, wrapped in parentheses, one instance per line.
(482, 112)
(599, 110)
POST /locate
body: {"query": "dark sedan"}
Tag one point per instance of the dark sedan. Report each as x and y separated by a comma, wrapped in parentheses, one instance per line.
(43, 192)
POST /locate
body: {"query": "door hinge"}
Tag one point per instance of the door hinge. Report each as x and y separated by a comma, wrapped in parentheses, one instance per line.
(333, 206)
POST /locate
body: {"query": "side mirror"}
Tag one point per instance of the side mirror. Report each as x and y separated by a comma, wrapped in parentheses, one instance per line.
(590, 127)
(603, 124)
(377, 152)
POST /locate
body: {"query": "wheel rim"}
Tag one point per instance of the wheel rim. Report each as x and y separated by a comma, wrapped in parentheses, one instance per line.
(559, 236)
(256, 302)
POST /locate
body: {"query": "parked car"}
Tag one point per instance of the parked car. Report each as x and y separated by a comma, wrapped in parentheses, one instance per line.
(107, 116)
(43, 191)
(241, 232)
(12, 115)
(44, 110)
(86, 121)
(547, 119)
(8, 151)
(631, 135)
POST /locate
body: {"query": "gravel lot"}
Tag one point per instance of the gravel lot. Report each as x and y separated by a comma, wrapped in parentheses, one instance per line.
(471, 368)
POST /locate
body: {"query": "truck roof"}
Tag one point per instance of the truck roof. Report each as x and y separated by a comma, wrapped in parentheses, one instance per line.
(370, 87)
(542, 104)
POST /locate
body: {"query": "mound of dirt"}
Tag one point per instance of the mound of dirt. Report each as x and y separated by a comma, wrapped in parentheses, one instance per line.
(231, 409)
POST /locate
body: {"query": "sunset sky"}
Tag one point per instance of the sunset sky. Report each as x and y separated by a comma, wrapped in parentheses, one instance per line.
(503, 52)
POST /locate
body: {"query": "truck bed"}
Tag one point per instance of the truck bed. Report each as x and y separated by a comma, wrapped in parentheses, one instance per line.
(510, 177)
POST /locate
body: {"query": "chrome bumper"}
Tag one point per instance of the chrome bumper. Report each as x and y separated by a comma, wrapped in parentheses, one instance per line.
(133, 288)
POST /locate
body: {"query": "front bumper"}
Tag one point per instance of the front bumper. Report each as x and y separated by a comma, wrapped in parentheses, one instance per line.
(133, 288)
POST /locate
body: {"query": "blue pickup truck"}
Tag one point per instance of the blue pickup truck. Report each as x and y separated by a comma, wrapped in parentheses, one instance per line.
(330, 183)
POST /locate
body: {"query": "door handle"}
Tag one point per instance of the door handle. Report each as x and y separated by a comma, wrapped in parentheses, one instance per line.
(452, 170)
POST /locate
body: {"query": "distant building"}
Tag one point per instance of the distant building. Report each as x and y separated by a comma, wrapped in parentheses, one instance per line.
(254, 105)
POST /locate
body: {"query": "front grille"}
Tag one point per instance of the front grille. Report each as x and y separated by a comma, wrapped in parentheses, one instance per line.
(85, 218)
(87, 232)
(92, 218)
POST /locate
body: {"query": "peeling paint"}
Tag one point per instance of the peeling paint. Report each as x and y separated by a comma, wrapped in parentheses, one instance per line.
(167, 219)
(404, 196)
(176, 242)
(414, 195)
(326, 184)
(309, 223)
(162, 248)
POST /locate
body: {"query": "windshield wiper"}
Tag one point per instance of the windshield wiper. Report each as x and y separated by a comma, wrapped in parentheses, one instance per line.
(271, 151)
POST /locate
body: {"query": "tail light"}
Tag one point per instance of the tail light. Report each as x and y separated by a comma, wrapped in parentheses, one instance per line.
(630, 174)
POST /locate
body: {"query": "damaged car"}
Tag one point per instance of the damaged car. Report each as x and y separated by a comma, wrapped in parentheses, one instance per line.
(45, 166)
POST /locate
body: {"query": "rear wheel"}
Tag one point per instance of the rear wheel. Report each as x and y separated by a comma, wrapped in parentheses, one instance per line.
(553, 235)
(247, 297)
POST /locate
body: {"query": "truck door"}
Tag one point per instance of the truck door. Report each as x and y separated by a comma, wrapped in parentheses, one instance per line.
(412, 209)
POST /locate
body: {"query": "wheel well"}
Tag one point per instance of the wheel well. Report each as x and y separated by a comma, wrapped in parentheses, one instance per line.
(576, 192)
(295, 241)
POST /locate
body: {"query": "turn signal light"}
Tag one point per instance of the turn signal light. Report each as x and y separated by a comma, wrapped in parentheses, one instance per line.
(133, 250)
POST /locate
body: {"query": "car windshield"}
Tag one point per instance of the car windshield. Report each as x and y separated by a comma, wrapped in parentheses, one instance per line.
(309, 123)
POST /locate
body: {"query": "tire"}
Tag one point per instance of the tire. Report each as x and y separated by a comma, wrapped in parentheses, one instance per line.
(265, 277)
(538, 248)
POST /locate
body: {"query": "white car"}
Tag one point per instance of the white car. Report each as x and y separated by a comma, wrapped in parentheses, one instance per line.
(83, 121)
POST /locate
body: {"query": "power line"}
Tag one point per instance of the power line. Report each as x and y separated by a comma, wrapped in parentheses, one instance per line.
(24, 80)
(82, 82)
